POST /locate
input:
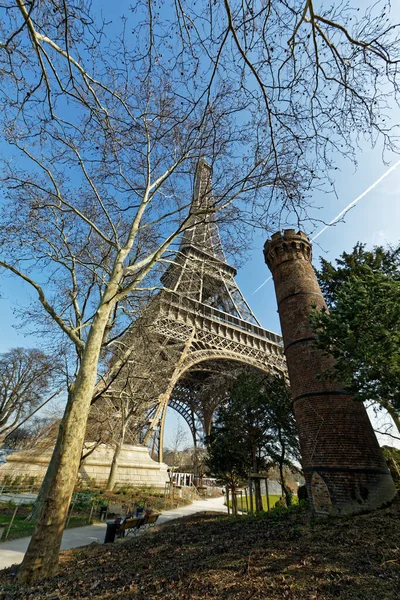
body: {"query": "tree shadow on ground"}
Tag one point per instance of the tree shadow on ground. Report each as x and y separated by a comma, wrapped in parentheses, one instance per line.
(208, 556)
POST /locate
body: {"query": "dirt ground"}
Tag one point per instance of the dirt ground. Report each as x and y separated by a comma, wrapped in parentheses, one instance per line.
(277, 556)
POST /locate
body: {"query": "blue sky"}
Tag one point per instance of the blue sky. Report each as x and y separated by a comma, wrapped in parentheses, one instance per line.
(374, 220)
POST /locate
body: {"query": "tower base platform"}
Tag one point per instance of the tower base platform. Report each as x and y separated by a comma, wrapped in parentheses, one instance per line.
(135, 467)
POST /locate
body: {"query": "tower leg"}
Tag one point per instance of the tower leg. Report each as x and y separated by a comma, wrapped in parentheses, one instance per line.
(162, 402)
(161, 435)
(343, 464)
(194, 430)
(155, 444)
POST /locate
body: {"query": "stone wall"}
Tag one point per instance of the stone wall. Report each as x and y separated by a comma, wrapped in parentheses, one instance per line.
(136, 468)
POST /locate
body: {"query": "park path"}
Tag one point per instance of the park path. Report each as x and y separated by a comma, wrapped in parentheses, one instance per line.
(12, 553)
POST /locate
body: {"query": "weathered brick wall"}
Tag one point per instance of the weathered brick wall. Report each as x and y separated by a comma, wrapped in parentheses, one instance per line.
(343, 464)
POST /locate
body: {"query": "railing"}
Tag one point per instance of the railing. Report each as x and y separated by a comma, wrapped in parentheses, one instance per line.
(182, 479)
(220, 316)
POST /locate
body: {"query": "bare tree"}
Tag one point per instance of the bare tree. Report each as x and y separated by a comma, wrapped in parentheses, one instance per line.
(178, 440)
(116, 419)
(42, 430)
(104, 135)
(27, 377)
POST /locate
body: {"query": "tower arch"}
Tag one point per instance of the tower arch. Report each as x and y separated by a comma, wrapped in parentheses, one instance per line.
(199, 317)
(193, 379)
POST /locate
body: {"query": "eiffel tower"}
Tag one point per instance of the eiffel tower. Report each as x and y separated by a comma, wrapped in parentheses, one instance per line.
(202, 328)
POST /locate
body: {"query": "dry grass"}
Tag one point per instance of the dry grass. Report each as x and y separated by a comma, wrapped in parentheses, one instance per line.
(209, 556)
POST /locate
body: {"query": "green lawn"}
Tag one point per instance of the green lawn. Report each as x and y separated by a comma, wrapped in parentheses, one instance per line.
(22, 528)
(273, 499)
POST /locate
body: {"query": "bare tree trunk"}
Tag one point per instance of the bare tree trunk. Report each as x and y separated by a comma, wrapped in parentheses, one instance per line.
(38, 504)
(285, 492)
(120, 442)
(234, 501)
(281, 476)
(114, 465)
(257, 494)
(41, 558)
(257, 483)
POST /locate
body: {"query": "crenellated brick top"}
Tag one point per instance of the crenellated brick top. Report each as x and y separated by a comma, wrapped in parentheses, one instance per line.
(288, 245)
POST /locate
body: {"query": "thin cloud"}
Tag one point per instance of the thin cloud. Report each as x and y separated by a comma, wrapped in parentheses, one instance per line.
(344, 211)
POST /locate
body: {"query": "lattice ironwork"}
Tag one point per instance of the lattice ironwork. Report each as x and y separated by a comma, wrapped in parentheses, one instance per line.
(199, 326)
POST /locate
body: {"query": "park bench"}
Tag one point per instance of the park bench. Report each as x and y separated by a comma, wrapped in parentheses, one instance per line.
(151, 520)
(133, 524)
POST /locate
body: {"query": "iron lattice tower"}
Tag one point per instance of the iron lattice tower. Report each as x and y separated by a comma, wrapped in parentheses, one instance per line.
(198, 327)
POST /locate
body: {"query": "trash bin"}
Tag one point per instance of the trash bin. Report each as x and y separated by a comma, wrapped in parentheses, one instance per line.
(103, 512)
(111, 532)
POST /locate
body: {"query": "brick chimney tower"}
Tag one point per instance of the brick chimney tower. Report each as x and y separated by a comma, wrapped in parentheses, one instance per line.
(344, 467)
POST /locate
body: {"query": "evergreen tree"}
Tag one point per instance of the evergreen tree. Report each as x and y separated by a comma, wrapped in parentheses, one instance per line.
(254, 429)
(362, 329)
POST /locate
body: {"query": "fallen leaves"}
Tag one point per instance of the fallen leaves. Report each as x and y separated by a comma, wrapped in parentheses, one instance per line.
(214, 557)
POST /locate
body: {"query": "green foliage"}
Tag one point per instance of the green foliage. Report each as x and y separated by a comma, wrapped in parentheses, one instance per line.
(85, 499)
(239, 432)
(254, 429)
(130, 497)
(283, 446)
(362, 330)
(358, 263)
(392, 456)
(19, 483)
(22, 528)
(273, 500)
(227, 459)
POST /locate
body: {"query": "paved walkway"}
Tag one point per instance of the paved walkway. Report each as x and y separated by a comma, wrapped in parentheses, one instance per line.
(12, 553)
(214, 504)
(18, 498)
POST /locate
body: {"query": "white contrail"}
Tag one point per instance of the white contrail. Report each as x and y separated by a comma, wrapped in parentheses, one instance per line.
(371, 187)
(344, 211)
(262, 285)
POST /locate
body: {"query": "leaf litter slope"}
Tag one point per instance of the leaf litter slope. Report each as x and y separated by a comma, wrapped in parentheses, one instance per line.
(210, 556)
